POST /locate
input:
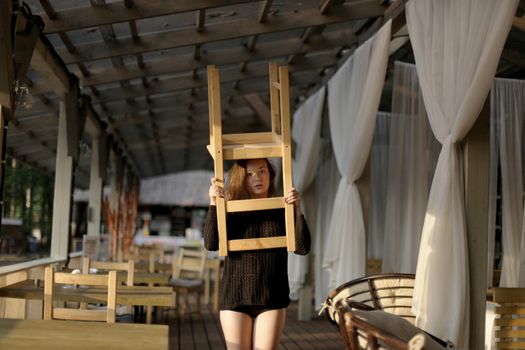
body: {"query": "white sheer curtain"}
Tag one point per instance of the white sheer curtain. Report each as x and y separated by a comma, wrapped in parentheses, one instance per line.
(306, 132)
(378, 185)
(456, 45)
(326, 184)
(507, 111)
(353, 97)
(408, 169)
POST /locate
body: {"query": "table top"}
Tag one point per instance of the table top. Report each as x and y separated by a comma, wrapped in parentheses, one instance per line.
(79, 335)
(136, 295)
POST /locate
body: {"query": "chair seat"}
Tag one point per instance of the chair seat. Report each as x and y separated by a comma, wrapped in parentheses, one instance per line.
(185, 283)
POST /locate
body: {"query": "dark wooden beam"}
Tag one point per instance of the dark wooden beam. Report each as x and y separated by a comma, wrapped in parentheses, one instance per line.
(263, 15)
(223, 31)
(87, 16)
(50, 11)
(200, 19)
(256, 70)
(223, 57)
(325, 5)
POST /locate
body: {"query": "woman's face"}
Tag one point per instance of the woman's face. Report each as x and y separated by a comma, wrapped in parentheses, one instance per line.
(257, 178)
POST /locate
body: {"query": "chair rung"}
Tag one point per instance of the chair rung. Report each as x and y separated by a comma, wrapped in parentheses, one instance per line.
(247, 138)
(257, 243)
(276, 85)
(80, 314)
(254, 204)
(251, 152)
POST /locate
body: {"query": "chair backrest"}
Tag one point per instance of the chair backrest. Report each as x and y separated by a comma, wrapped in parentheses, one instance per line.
(391, 293)
(54, 279)
(510, 318)
(145, 261)
(189, 264)
(376, 329)
(128, 267)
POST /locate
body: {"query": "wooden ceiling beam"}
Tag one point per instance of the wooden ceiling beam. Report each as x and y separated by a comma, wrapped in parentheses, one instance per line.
(175, 117)
(200, 20)
(110, 13)
(222, 31)
(227, 75)
(260, 108)
(223, 57)
(179, 98)
(519, 23)
(302, 81)
(324, 5)
(48, 8)
(49, 70)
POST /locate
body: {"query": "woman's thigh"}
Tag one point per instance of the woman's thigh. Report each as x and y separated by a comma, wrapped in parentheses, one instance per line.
(237, 328)
(268, 328)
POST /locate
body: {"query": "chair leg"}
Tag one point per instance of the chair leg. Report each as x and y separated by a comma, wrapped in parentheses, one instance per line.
(198, 302)
(187, 303)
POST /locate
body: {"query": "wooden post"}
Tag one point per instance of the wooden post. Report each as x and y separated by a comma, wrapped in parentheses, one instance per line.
(6, 84)
(63, 183)
(476, 160)
(6, 55)
(95, 190)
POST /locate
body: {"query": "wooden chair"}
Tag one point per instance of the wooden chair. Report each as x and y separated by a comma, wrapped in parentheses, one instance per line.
(145, 261)
(276, 143)
(54, 279)
(188, 276)
(106, 266)
(128, 267)
(510, 318)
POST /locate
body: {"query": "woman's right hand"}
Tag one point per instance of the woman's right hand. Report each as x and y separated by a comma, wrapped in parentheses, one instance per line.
(215, 191)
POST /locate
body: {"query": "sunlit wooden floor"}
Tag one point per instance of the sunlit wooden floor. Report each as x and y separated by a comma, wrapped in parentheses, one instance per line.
(193, 332)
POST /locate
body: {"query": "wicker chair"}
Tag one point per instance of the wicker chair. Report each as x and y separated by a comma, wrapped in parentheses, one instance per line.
(391, 293)
(374, 312)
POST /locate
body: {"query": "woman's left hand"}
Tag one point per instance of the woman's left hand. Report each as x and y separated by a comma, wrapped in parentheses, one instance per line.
(292, 197)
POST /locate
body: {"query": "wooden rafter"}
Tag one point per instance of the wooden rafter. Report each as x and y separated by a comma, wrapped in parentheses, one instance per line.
(257, 70)
(519, 23)
(260, 108)
(222, 31)
(115, 12)
(223, 57)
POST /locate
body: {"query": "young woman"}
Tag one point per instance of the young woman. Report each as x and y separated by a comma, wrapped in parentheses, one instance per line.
(254, 290)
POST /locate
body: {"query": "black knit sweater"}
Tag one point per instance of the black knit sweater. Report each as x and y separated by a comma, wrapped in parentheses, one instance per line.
(255, 277)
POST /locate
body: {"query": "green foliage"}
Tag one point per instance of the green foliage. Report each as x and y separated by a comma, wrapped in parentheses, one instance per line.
(28, 195)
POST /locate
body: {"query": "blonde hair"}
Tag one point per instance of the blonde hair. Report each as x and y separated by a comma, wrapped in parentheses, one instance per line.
(236, 180)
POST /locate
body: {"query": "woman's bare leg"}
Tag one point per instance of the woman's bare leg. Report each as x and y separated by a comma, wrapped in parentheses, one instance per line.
(237, 328)
(268, 328)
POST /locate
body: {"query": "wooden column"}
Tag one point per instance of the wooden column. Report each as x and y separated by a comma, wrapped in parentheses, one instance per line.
(6, 83)
(95, 190)
(476, 160)
(63, 181)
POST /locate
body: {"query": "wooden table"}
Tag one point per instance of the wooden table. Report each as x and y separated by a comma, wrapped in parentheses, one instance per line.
(38, 334)
(136, 295)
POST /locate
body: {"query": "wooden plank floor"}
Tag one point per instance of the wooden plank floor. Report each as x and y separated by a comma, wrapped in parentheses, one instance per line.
(192, 332)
